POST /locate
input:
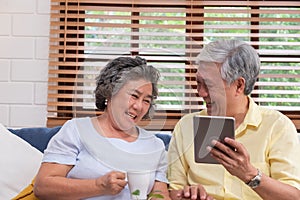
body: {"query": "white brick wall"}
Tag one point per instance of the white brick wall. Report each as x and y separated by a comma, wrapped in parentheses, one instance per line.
(23, 62)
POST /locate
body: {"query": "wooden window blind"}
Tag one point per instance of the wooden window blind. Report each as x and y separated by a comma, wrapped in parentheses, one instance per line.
(86, 34)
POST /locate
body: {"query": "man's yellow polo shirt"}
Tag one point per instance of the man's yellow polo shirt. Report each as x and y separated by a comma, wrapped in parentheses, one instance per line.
(272, 143)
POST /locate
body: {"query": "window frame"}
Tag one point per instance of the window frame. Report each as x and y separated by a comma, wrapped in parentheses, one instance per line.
(163, 120)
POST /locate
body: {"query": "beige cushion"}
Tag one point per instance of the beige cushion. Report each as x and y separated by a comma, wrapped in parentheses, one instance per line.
(19, 163)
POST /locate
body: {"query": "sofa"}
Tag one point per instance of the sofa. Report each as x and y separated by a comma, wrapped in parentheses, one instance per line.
(21, 152)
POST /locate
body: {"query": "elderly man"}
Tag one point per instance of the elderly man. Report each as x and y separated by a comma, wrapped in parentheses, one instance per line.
(262, 162)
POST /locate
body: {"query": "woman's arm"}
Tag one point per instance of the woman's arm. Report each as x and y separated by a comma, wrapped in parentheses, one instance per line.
(51, 183)
(160, 188)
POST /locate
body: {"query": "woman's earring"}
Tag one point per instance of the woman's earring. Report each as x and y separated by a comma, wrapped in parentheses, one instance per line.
(105, 102)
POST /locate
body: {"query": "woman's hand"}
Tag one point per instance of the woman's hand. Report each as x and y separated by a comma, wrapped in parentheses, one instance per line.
(194, 192)
(111, 183)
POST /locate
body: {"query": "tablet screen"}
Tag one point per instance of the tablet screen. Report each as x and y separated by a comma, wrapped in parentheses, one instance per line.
(207, 128)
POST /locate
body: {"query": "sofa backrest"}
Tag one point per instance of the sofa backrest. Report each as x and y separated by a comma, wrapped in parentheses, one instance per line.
(40, 136)
(37, 137)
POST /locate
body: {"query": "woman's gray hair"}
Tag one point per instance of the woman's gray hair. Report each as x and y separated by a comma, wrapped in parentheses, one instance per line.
(237, 59)
(118, 72)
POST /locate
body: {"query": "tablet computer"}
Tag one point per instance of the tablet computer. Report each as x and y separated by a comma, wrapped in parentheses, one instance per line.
(207, 128)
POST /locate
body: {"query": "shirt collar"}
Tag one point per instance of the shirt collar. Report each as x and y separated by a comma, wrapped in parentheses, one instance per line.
(253, 116)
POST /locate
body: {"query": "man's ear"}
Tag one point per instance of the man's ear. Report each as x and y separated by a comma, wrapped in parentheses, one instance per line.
(240, 85)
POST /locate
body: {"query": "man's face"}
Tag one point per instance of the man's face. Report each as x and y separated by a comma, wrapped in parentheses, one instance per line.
(213, 89)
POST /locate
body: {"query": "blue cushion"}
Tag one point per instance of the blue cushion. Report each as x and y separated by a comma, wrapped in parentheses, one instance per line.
(165, 138)
(37, 137)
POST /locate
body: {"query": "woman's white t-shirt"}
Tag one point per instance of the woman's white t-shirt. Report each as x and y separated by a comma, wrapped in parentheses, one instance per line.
(79, 144)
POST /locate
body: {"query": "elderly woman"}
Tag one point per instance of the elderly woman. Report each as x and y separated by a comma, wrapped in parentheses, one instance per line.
(89, 157)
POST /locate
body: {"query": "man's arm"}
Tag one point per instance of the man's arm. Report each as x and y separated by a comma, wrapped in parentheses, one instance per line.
(237, 163)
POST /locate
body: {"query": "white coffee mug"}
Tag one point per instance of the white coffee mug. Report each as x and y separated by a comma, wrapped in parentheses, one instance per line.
(139, 181)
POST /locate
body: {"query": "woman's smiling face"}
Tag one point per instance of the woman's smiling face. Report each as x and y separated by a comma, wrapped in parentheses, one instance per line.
(129, 105)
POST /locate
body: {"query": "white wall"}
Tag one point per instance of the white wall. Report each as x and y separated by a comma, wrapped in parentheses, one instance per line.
(24, 62)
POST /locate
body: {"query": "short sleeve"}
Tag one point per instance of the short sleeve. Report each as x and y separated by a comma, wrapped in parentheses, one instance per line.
(284, 153)
(64, 147)
(162, 168)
